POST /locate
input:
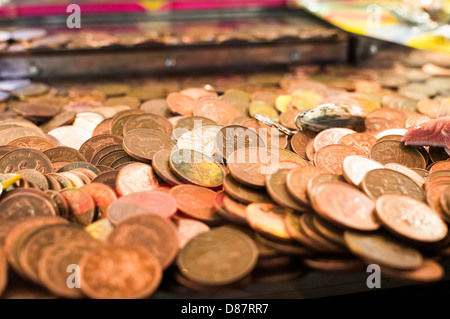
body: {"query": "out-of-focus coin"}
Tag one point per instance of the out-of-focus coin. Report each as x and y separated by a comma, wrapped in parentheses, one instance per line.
(157, 235)
(268, 219)
(243, 193)
(344, 205)
(264, 109)
(19, 159)
(429, 271)
(180, 103)
(396, 152)
(194, 201)
(121, 118)
(188, 229)
(218, 257)
(65, 117)
(70, 136)
(102, 195)
(382, 181)
(36, 111)
(297, 182)
(131, 101)
(30, 90)
(288, 118)
(10, 134)
(383, 250)
(21, 206)
(3, 272)
(35, 177)
(433, 193)
(135, 178)
(134, 265)
(361, 141)
(440, 166)
(100, 229)
(196, 168)
(156, 106)
(410, 218)
(81, 205)
(356, 167)
(113, 89)
(190, 123)
(335, 265)
(278, 191)
(55, 260)
(108, 178)
(144, 143)
(328, 230)
(331, 158)
(330, 136)
(34, 245)
(154, 202)
(420, 180)
(220, 111)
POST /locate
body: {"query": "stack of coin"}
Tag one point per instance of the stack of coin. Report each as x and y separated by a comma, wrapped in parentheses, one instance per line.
(179, 173)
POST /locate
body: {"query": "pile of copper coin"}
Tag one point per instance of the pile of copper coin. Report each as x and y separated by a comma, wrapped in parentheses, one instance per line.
(149, 33)
(126, 183)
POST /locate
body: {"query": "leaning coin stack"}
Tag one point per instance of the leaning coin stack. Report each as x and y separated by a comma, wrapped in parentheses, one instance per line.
(124, 183)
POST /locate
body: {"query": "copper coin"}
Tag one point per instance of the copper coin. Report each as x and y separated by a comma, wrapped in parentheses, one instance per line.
(104, 127)
(440, 166)
(63, 181)
(288, 118)
(190, 123)
(418, 179)
(20, 232)
(160, 164)
(64, 154)
(195, 201)
(37, 143)
(55, 260)
(135, 178)
(378, 182)
(61, 203)
(200, 140)
(35, 177)
(309, 150)
(250, 165)
(33, 246)
(429, 271)
(383, 250)
(330, 136)
(153, 202)
(13, 133)
(81, 205)
(328, 230)
(396, 152)
(180, 103)
(5, 149)
(345, 206)
(188, 229)
(144, 143)
(331, 158)
(100, 154)
(356, 167)
(392, 137)
(243, 193)
(121, 118)
(444, 200)
(278, 191)
(96, 143)
(21, 206)
(196, 168)
(134, 266)
(235, 208)
(100, 229)
(157, 235)
(433, 195)
(3, 272)
(218, 257)
(65, 117)
(297, 182)
(220, 111)
(102, 195)
(130, 101)
(335, 265)
(299, 142)
(268, 219)
(148, 121)
(36, 111)
(361, 141)
(410, 218)
(286, 155)
(374, 125)
(20, 159)
(233, 137)
(108, 178)
(156, 106)
(287, 248)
